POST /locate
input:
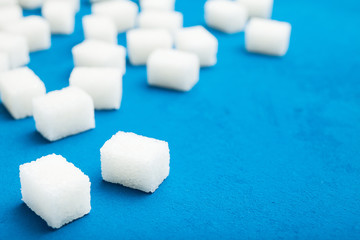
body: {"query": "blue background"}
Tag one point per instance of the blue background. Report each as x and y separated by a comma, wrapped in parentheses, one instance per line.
(261, 148)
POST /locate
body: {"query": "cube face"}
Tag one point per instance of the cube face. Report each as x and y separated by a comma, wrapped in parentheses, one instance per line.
(62, 113)
(94, 53)
(258, 8)
(16, 48)
(135, 161)
(55, 190)
(173, 69)
(30, 4)
(99, 28)
(158, 5)
(60, 15)
(18, 88)
(4, 62)
(75, 4)
(268, 37)
(169, 20)
(35, 29)
(104, 85)
(9, 14)
(142, 42)
(123, 13)
(225, 16)
(199, 41)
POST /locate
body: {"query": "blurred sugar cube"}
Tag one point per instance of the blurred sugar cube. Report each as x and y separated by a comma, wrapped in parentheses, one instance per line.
(199, 41)
(169, 20)
(16, 48)
(258, 8)
(60, 15)
(142, 42)
(9, 14)
(99, 28)
(104, 85)
(173, 69)
(158, 5)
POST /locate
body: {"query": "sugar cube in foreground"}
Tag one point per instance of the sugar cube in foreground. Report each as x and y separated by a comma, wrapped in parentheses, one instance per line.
(60, 15)
(9, 14)
(173, 69)
(64, 112)
(135, 161)
(158, 5)
(123, 13)
(142, 42)
(95, 53)
(35, 29)
(226, 16)
(104, 85)
(55, 190)
(199, 41)
(169, 20)
(99, 28)
(18, 88)
(267, 36)
(258, 8)
(15, 46)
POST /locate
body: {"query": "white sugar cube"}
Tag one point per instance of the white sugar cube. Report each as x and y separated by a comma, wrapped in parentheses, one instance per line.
(258, 8)
(4, 62)
(31, 4)
(18, 88)
(173, 69)
(60, 15)
(64, 112)
(104, 85)
(35, 29)
(142, 42)
(123, 13)
(5, 3)
(94, 53)
(74, 3)
(267, 36)
(9, 14)
(99, 28)
(15, 46)
(199, 41)
(225, 16)
(160, 5)
(55, 190)
(169, 20)
(135, 161)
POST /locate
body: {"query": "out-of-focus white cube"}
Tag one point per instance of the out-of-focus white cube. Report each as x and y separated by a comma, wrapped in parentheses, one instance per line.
(267, 36)
(63, 113)
(135, 161)
(199, 41)
(74, 3)
(258, 8)
(159, 5)
(123, 13)
(94, 53)
(31, 4)
(225, 16)
(173, 69)
(5, 3)
(18, 88)
(99, 28)
(16, 47)
(4, 62)
(9, 14)
(60, 15)
(55, 190)
(35, 29)
(104, 85)
(169, 20)
(142, 42)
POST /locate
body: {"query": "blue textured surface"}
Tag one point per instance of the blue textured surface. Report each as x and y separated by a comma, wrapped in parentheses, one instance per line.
(261, 148)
